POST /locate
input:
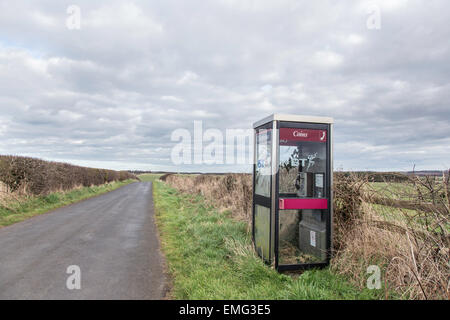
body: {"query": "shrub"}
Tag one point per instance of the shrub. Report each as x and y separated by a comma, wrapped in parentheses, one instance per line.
(39, 177)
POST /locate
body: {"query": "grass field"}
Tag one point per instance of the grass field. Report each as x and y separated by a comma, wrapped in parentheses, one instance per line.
(401, 190)
(27, 207)
(146, 177)
(402, 193)
(394, 190)
(210, 256)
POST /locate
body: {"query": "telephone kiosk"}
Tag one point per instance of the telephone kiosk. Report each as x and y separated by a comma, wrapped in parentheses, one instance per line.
(292, 194)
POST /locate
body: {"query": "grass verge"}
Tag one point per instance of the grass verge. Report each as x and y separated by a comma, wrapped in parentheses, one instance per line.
(210, 256)
(16, 211)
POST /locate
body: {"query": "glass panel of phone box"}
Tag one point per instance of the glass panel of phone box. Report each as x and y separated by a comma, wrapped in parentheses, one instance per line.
(302, 174)
(263, 171)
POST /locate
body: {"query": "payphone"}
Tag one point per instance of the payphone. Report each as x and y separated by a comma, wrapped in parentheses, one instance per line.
(292, 195)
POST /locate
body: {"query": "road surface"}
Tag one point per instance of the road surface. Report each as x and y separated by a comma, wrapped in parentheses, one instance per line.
(111, 238)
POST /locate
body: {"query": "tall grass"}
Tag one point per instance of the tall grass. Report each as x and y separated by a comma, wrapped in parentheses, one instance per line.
(409, 239)
(231, 192)
(371, 228)
(210, 256)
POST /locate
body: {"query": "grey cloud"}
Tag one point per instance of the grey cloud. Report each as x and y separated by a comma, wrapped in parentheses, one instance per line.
(111, 93)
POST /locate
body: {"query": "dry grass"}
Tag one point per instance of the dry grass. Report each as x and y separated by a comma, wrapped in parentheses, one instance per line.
(231, 192)
(412, 251)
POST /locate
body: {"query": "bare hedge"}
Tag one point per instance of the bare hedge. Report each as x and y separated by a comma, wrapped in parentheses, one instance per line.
(37, 177)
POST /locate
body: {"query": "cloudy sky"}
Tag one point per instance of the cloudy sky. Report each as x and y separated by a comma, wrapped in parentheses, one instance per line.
(110, 93)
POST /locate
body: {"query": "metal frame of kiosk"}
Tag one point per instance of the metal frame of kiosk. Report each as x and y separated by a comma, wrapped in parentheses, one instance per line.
(292, 191)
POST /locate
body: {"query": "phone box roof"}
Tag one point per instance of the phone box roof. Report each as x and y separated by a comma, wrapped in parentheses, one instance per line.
(293, 118)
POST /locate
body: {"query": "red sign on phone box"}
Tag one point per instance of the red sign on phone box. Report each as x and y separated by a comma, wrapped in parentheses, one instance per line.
(291, 134)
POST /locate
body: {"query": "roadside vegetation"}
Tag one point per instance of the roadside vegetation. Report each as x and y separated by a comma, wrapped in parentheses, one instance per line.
(33, 176)
(210, 256)
(398, 223)
(19, 209)
(30, 186)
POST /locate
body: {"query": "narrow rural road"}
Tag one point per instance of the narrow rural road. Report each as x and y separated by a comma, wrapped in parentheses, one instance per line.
(112, 239)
